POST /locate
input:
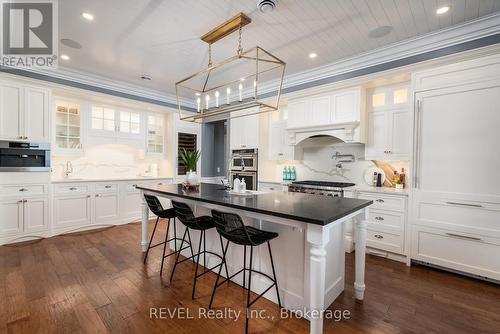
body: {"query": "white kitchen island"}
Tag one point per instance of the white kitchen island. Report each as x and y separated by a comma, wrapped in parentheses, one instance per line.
(309, 252)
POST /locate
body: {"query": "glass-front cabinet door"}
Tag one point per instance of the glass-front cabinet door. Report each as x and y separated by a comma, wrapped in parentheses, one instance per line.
(68, 124)
(155, 134)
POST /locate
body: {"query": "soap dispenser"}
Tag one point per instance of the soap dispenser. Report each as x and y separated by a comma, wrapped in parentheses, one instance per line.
(243, 185)
(237, 184)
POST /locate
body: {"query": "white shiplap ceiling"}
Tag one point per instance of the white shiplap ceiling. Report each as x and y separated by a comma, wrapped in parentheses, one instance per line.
(160, 38)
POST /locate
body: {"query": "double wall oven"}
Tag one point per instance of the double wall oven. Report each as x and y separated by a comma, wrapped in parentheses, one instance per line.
(244, 164)
(24, 157)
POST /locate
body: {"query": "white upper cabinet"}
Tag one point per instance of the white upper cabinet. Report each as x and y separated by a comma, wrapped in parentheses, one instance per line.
(244, 132)
(68, 127)
(115, 125)
(24, 112)
(155, 134)
(278, 147)
(325, 109)
(11, 102)
(36, 114)
(389, 123)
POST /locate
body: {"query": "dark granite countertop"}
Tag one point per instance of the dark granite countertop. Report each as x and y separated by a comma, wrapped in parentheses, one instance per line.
(308, 208)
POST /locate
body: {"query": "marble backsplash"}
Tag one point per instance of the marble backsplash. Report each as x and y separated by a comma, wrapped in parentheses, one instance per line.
(318, 164)
(108, 161)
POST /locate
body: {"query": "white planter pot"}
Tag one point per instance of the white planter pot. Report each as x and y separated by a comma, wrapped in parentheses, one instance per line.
(191, 177)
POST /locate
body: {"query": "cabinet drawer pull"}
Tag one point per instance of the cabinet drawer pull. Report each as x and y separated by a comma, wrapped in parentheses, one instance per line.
(465, 204)
(378, 236)
(97, 195)
(107, 187)
(23, 189)
(160, 184)
(24, 156)
(380, 200)
(379, 218)
(72, 188)
(463, 236)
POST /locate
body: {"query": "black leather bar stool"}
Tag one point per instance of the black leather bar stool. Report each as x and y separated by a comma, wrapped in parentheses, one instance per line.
(202, 224)
(231, 227)
(156, 207)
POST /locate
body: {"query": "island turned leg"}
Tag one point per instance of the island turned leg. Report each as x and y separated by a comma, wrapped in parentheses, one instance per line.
(144, 223)
(359, 280)
(317, 237)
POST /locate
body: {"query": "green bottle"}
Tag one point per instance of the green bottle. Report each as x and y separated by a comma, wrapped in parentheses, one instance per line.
(294, 174)
(284, 173)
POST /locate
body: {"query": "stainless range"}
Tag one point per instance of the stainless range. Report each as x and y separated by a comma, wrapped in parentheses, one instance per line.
(335, 189)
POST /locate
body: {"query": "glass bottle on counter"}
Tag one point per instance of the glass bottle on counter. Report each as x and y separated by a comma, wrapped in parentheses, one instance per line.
(402, 177)
(395, 178)
(293, 173)
(285, 173)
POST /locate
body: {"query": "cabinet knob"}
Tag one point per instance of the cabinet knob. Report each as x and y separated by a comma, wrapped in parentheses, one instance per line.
(378, 236)
(23, 189)
(107, 187)
(379, 218)
(25, 201)
(97, 195)
(19, 137)
(88, 196)
(20, 201)
(380, 200)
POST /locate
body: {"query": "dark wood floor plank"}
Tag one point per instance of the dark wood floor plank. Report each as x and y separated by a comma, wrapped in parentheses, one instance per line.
(15, 293)
(95, 282)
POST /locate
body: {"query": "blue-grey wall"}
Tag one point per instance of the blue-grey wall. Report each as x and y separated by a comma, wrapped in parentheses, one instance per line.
(213, 149)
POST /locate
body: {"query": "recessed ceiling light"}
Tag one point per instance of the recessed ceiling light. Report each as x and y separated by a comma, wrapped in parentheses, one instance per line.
(146, 77)
(242, 79)
(197, 94)
(442, 10)
(312, 55)
(87, 16)
(65, 57)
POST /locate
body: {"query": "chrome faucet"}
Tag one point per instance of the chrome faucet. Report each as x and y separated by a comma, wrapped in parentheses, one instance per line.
(339, 155)
(69, 168)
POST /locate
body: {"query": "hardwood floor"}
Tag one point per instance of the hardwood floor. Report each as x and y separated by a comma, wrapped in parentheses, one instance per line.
(95, 282)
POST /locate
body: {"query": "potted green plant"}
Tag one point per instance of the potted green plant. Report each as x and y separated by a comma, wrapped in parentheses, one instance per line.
(190, 159)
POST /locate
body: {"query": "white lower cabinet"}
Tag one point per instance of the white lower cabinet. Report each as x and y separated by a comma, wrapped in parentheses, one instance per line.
(386, 221)
(106, 208)
(11, 211)
(36, 214)
(466, 252)
(82, 204)
(21, 215)
(72, 210)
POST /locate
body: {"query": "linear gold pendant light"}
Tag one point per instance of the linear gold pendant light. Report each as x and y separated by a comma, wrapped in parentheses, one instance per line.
(247, 83)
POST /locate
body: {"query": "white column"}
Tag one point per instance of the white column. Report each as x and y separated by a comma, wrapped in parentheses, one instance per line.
(144, 223)
(359, 280)
(317, 237)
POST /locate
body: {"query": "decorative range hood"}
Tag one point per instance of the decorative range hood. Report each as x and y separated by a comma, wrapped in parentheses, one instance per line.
(348, 132)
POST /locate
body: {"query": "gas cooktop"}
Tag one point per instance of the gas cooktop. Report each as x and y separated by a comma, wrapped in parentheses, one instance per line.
(324, 184)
